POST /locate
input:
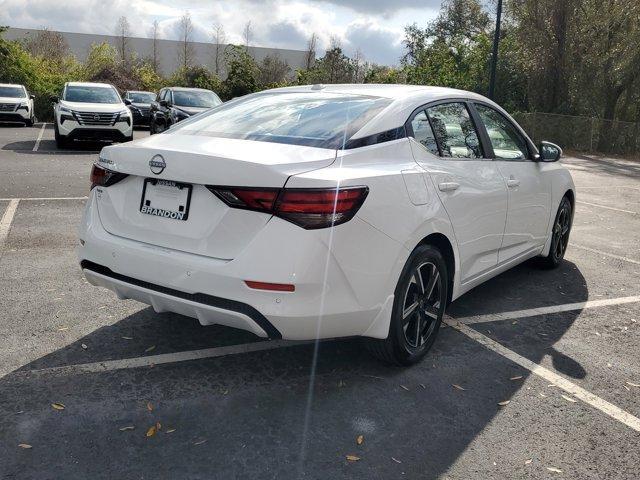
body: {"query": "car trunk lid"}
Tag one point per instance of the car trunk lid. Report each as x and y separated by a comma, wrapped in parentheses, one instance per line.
(182, 167)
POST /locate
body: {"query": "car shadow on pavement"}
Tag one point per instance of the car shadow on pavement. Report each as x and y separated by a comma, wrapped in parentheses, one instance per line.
(291, 412)
(615, 167)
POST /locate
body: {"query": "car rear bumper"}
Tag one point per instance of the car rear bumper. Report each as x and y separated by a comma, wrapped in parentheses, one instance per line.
(330, 299)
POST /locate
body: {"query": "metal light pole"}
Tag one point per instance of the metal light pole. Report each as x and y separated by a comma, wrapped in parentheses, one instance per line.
(496, 44)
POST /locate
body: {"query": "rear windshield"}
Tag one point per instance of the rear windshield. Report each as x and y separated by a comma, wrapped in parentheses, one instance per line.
(324, 120)
(195, 98)
(141, 97)
(12, 92)
(91, 94)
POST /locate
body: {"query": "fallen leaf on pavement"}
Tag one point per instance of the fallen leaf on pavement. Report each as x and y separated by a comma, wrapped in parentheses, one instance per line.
(402, 386)
(554, 469)
(360, 439)
(352, 458)
(149, 406)
(504, 403)
(62, 329)
(458, 387)
(528, 461)
(128, 427)
(199, 442)
(24, 445)
(568, 399)
(516, 378)
(128, 338)
(151, 348)
(396, 460)
(58, 406)
(423, 386)
(84, 346)
(171, 430)
(152, 431)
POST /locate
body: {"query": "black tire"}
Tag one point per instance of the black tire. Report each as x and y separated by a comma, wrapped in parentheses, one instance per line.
(417, 309)
(61, 141)
(152, 127)
(128, 139)
(559, 234)
(29, 122)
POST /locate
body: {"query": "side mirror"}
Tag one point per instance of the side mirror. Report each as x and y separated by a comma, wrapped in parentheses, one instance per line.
(127, 101)
(32, 97)
(55, 98)
(549, 152)
(164, 103)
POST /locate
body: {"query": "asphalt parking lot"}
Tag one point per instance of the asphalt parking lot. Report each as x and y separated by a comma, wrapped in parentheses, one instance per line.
(535, 375)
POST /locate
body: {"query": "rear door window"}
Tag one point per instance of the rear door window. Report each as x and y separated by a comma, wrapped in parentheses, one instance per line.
(454, 131)
(423, 133)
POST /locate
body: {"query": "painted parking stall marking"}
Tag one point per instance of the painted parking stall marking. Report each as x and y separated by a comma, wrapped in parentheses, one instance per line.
(606, 254)
(587, 397)
(607, 207)
(7, 219)
(532, 312)
(39, 139)
(176, 357)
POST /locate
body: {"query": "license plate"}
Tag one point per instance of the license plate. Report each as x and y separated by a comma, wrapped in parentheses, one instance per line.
(166, 199)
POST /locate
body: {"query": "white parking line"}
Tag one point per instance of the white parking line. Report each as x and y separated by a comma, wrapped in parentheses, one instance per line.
(176, 357)
(43, 198)
(609, 187)
(532, 312)
(587, 397)
(7, 218)
(35, 147)
(605, 254)
(608, 208)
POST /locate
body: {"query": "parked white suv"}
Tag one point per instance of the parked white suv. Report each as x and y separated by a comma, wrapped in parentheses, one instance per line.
(16, 105)
(91, 111)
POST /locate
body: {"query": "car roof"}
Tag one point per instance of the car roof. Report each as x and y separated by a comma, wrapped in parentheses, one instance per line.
(188, 89)
(140, 91)
(392, 91)
(404, 99)
(89, 84)
(11, 85)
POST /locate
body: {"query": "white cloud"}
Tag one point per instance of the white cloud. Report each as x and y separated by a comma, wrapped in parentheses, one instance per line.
(372, 26)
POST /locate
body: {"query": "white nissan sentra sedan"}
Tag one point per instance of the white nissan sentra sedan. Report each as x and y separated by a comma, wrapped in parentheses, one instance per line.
(326, 211)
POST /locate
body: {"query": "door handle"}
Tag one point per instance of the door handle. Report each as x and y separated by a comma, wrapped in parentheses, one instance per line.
(512, 183)
(448, 186)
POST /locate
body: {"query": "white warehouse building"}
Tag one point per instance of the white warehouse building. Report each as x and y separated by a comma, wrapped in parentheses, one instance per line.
(167, 50)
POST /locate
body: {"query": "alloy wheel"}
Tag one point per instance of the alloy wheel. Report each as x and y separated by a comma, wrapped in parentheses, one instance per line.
(423, 305)
(561, 231)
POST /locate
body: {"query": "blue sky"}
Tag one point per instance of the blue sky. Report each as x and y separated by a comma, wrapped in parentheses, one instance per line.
(375, 27)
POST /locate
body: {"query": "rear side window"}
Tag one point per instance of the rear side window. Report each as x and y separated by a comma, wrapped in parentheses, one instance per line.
(315, 119)
(454, 131)
(507, 142)
(423, 133)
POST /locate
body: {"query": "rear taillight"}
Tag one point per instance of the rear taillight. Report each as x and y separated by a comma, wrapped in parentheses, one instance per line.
(309, 208)
(101, 177)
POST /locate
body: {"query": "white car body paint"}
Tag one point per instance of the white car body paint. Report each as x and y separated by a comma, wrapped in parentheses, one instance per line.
(345, 276)
(72, 126)
(16, 109)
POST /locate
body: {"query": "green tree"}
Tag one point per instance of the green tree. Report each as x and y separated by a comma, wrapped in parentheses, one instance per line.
(243, 73)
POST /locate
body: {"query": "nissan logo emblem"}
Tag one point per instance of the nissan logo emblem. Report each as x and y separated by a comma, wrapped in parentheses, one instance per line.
(157, 164)
(96, 117)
